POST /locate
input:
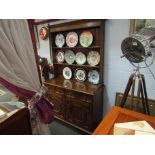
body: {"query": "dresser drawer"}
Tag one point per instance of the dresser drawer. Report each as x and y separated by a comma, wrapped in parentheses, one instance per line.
(79, 96)
(55, 90)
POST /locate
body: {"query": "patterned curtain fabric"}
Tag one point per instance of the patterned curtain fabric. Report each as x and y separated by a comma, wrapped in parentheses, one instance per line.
(18, 70)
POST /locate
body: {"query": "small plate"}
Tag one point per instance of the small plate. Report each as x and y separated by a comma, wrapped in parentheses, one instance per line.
(71, 39)
(80, 58)
(59, 40)
(86, 38)
(67, 73)
(69, 57)
(60, 56)
(93, 77)
(93, 58)
(80, 75)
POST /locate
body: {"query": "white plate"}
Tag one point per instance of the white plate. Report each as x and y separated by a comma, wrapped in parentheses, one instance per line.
(59, 40)
(60, 57)
(93, 58)
(69, 57)
(86, 38)
(80, 75)
(67, 73)
(71, 39)
(80, 58)
(93, 77)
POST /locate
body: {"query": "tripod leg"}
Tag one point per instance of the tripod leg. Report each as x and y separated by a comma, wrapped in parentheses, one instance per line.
(126, 92)
(145, 94)
(132, 92)
(143, 102)
(138, 95)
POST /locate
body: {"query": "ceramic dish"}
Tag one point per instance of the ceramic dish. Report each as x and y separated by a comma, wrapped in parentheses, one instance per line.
(86, 38)
(59, 40)
(93, 77)
(93, 58)
(67, 73)
(80, 75)
(71, 39)
(69, 57)
(60, 56)
(80, 58)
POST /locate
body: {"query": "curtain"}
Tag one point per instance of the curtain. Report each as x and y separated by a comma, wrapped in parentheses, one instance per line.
(18, 71)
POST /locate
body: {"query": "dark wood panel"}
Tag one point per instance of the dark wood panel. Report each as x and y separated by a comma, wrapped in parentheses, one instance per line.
(79, 113)
(79, 24)
(17, 124)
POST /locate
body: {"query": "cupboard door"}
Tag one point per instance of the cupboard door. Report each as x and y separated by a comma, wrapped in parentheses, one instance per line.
(79, 113)
(57, 98)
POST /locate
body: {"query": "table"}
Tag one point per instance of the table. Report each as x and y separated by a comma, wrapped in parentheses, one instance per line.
(120, 115)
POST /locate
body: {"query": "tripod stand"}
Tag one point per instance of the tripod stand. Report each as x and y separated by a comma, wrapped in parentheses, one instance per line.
(140, 92)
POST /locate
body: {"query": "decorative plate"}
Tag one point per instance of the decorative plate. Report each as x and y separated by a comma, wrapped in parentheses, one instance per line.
(93, 77)
(93, 58)
(59, 40)
(86, 38)
(80, 75)
(71, 39)
(80, 58)
(69, 57)
(60, 56)
(67, 73)
(43, 33)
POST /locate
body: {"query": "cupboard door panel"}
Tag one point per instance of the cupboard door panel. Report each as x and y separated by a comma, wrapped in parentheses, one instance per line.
(59, 104)
(79, 114)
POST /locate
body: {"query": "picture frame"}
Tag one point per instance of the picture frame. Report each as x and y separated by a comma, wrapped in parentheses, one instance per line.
(137, 24)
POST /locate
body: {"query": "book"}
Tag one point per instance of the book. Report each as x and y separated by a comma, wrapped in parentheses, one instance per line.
(132, 128)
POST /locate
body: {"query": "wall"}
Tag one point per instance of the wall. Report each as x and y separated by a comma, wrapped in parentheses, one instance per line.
(116, 70)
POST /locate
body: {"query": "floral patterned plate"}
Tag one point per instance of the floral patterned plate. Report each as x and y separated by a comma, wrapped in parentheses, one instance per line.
(71, 39)
(69, 57)
(93, 58)
(93, 77)
(67, 73)
(86, 38)
(60, 56)
(80, 75)
(59, 40)
(80, 58)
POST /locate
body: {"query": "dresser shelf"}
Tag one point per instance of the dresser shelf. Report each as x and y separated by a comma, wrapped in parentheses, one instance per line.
(91, 47)
(76, 65)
